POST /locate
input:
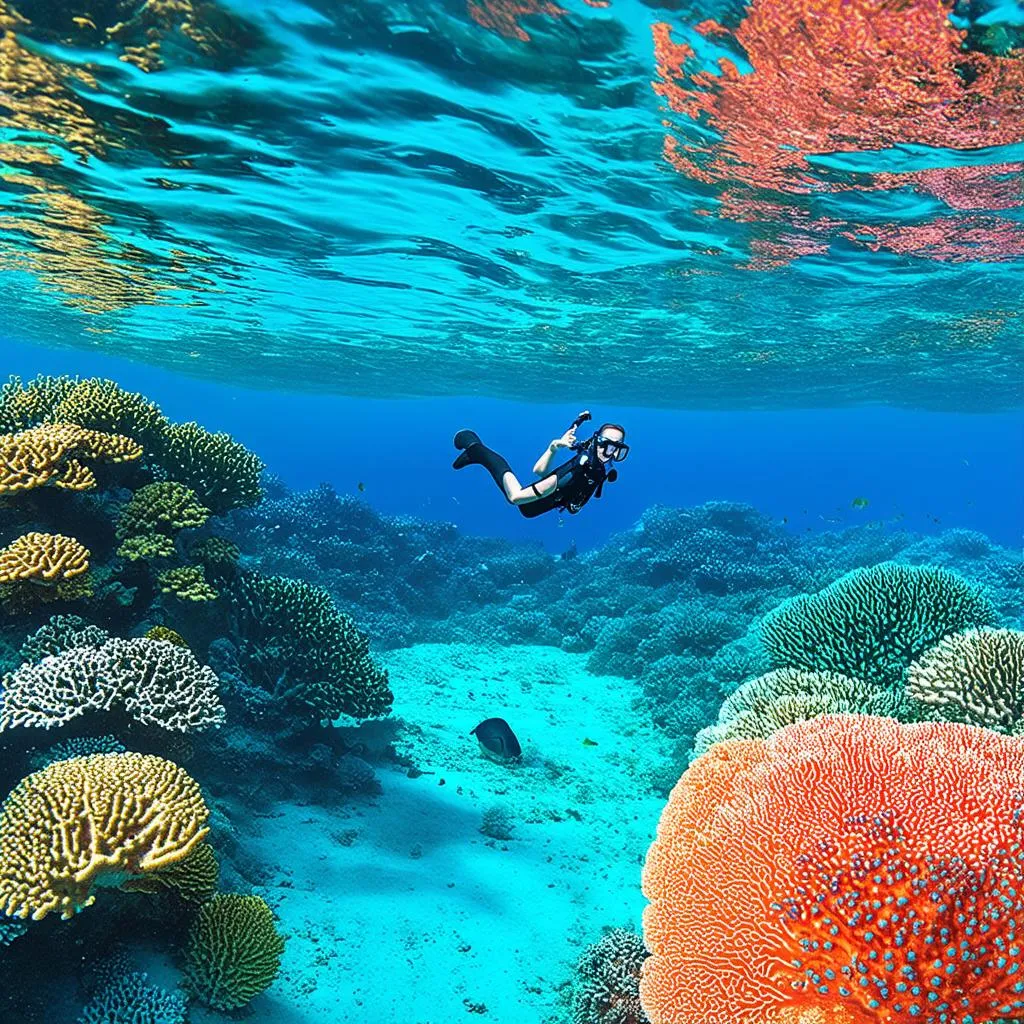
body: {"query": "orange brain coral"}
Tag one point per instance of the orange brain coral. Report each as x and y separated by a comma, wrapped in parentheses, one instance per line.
(848, 869)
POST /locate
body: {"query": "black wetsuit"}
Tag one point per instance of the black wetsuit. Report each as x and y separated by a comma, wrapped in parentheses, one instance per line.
(576, 481)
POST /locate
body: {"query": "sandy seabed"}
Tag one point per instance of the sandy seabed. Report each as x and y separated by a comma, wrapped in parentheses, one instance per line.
(398, 910)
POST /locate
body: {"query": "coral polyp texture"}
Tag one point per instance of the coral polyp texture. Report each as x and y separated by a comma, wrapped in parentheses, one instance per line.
(223, 473)
(779, 698)
(60, 633)
(847, 869)
(872, 623)
(51, 454)
(87, 821)
(193, 879)
(130, 998)
(161, 508)
(234, 951)
(188, 583)
(43, 558)
(976, 676)
(298, 646)
(152, 682)
(607, 984)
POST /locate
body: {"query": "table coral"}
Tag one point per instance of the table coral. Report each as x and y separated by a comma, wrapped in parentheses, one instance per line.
(78, 823)
(848, 869)
(234, 951)
(42, 558)
(153, 682)
(50, 454)
(976, 676)
(872, 623)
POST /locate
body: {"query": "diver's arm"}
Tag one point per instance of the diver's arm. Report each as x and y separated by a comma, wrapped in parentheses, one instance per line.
(524, 495)
(567, 440)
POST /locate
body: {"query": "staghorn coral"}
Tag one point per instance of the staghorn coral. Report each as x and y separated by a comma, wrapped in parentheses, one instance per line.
(872, 623)
(153, 682)
(298, 645)
(161, 508)
(147, 547)
(976, 676)
(779, 698)
(234, 951)
(76, 746)
(788, 883)
(187, 582)
(193, 879)
(606, 989)
(89, 820)
(129, 998)
(49, 455)
(223, 473)
(166, 633)
(60, 633)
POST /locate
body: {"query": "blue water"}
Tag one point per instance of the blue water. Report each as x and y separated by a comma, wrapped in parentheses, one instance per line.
(406, 750)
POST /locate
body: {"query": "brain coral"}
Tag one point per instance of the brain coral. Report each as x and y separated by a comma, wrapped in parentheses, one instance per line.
(104, 818)
(786, 695)
(872, 623)
(847, 869)
(607, 986)
(164, 507)
(153, 681)
(50, 454)
(234, 951)
(976, 676)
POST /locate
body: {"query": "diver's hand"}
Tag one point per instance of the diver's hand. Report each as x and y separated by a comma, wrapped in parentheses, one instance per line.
(567, 440)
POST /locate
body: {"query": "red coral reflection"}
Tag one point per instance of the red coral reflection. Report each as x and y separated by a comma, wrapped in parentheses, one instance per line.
(502, 16)
(842, 76)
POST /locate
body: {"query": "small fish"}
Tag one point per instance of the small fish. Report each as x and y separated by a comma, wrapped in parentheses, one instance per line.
(83, 22)
(588, 742)
(859, 503)
(785, 519)
(496, 737)
(361, 486)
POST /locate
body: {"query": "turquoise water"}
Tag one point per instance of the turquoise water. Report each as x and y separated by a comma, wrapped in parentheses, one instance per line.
(298, 723)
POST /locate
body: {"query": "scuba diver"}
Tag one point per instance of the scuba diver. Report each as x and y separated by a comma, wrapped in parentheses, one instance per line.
(569, 486)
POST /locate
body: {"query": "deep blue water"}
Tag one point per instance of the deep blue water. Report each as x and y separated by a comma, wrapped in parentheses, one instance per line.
(918, 470)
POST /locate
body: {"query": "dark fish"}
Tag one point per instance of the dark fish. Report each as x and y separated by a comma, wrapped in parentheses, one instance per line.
(588, 742)
(570, 552)
(859, 503)
(361, 486)
(495, 736)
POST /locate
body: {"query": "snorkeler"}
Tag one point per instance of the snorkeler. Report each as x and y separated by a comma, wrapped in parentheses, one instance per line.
(569, 486)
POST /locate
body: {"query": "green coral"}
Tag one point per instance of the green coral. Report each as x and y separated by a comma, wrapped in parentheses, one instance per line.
(297, 645)
(165, 507)
(976, 676)
(780, 698)
(187, 582)
(872, 623)
(147, 547)
(234, 951)
(217, 552)
(171, 636)
(221, 470)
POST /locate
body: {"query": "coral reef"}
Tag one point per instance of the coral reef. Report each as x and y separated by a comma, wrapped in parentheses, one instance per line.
(132, 999)
(188, 583)
(785, 877)
(60, 633)
(234, 951)
(872, 623)
(765, 704)
(606, 988)
(152, 682)
(65, 828)
(43, 558)
(976, 676)
(165, 507)
(75, 746)
(193, 879)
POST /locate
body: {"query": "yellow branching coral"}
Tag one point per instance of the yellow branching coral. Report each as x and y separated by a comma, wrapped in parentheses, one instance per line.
(193, 879)
(42, 557)
(165, 507)
(187, 582)
(50, 453)
(234, 951)
(148, 547)
(171, 636)
(217, 552)
(108, 817)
